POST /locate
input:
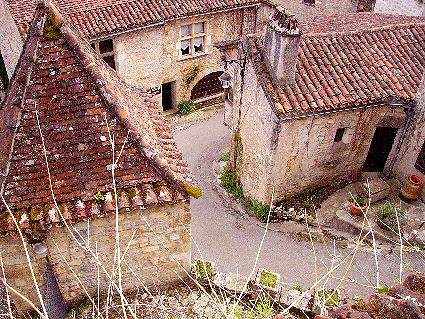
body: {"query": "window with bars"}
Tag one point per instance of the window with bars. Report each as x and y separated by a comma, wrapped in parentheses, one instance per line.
(192, 39)
(420, 161)
(105, 48)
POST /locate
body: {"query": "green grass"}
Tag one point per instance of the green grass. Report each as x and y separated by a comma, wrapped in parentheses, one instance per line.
(260, 209)
(186, 107)
(230, 182)
(225, 157)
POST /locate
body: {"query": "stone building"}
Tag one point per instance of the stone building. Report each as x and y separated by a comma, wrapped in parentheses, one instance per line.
(165, 46)
(327, 99)
(64, 110)
(305, 9)
(400, 7)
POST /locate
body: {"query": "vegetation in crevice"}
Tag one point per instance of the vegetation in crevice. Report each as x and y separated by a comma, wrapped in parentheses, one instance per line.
(52, 28)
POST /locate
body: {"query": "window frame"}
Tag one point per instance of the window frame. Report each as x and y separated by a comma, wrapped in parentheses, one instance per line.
(95, 45)
(191, 38)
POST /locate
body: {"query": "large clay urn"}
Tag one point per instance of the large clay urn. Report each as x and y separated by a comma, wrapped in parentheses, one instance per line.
(412, 188)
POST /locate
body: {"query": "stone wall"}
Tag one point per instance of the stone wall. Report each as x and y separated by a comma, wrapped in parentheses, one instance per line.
(257, 124)
(10, 39)
(415, 138)
(400, 7)
(150, 57)
(322, 7)
(307, 156)
(147, 258)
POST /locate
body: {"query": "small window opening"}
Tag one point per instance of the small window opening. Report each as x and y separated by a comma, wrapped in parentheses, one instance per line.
(192, 40)
(105, 49)
(310, 2)
(420, 161)
(339, 134)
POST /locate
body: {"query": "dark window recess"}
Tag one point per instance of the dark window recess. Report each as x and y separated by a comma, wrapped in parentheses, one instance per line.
(420, 162)
(106, 46)
(199, 44)
(93, 45)
(380, 148)
(339, 134)
(310, 2)
(167, 96)
(3, 73)
(110, 60)
(207, 86)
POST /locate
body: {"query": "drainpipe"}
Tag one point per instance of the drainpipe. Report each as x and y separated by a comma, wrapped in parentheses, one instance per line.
(410, 115)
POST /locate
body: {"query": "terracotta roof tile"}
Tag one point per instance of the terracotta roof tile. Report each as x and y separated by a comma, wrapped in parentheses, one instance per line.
(346, 65)
(99, 18)
(79, 100)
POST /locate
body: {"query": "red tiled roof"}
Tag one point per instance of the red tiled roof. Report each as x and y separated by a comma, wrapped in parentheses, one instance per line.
(98, 18)
(349, 69)
(77, 97)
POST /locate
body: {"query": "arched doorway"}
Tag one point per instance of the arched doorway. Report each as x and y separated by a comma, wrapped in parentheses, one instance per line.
(208, 86)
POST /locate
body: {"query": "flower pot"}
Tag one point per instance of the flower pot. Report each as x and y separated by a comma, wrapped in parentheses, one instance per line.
(412, 188)
(358, 210)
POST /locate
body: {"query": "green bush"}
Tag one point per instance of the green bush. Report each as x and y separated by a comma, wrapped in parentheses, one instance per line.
(186, 107)
(225, 157)
(260, 209)
(268, 279)
(230, 181)
(204, 269)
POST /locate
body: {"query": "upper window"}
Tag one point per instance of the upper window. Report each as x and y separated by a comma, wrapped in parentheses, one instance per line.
(192, 40)
(420, 162)
(310, 2)
(105, 49)
(339, 134)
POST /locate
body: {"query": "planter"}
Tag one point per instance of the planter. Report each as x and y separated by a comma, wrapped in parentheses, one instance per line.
(357, 210)
(412, 188)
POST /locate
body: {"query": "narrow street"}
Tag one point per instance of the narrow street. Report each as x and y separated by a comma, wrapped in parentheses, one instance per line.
(232, 241)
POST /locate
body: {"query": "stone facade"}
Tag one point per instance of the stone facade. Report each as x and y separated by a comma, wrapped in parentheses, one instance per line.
(157, 254)
(401, 7)
(290, 156)
(10, 39)
(150, 57)
(415, 139)
(303, 10)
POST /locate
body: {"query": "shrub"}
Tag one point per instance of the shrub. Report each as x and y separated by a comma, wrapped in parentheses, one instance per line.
(387, 215)
(230, 181)
(260, 209)
(204, 269)
(268, 279)
(186, 107)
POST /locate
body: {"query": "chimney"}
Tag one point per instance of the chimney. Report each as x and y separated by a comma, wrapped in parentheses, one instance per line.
(281, 44)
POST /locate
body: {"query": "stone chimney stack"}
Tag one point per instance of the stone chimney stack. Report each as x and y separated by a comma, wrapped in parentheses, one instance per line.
(281, 44)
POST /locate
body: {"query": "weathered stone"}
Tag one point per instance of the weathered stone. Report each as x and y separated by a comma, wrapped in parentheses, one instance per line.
(378, 188)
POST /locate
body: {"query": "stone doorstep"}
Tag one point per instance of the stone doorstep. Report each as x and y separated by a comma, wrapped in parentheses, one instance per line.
(346, 222)
(379, 189)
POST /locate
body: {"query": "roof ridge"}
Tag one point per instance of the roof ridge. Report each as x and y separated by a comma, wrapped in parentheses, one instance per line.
(364, 31)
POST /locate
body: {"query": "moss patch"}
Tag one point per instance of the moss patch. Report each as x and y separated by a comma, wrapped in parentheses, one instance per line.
(193, 191)
(52, 28)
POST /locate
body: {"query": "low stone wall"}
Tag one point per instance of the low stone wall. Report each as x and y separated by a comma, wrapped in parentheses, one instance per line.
(155, 242)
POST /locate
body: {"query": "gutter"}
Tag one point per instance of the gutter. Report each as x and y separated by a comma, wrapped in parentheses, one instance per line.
(161, 23)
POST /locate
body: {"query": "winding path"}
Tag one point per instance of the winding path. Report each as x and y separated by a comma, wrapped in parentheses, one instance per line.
(232, 241)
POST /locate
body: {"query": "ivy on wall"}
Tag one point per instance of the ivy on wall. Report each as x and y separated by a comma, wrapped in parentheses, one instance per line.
(366, 5)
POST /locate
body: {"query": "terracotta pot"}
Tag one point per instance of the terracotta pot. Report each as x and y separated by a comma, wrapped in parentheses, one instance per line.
(357, 210)
(412, 188)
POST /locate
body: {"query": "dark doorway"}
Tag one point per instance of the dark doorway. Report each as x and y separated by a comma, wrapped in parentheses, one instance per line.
(167, 96)
(380, 148)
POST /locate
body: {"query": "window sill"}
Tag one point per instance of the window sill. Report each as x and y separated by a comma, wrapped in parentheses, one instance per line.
(190, 57)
